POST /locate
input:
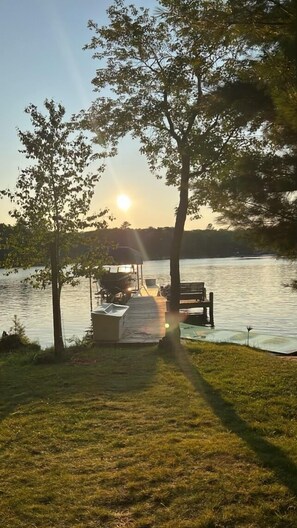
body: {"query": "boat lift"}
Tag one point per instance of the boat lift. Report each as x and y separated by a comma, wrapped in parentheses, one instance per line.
(124, 276)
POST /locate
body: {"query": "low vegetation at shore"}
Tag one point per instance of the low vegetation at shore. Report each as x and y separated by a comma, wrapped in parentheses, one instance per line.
(139, 438)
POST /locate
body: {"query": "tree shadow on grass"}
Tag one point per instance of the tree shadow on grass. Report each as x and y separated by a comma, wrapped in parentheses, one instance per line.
(86, 374)
(271, 456)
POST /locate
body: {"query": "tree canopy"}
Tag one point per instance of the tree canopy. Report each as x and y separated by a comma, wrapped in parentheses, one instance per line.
(257, 188)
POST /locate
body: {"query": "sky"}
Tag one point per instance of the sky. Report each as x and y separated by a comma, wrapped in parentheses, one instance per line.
(42, 58)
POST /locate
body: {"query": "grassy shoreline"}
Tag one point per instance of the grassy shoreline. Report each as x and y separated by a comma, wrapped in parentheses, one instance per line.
(136, 438)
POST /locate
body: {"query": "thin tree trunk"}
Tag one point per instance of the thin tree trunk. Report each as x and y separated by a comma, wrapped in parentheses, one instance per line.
(57, 320)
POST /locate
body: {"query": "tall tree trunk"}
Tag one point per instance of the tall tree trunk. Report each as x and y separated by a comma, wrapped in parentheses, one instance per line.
(57, 320)
(173, 332)
(179, 227)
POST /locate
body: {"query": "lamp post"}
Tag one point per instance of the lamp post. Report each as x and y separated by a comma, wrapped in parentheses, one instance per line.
(249, 328)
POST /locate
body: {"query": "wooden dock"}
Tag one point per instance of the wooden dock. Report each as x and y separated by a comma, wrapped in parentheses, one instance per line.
(145, 320)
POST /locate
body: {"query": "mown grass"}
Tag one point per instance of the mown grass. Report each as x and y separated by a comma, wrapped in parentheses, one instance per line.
(204, 437)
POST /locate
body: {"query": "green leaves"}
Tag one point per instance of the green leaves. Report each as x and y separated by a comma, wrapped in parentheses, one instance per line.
(161, 74)
(257, 187)
(53, 195)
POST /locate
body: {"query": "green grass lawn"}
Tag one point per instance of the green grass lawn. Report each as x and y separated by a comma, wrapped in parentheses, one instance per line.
(140, 438)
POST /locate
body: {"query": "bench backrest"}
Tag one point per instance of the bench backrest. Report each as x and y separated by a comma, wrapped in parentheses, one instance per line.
(190, 287)
(188, 290)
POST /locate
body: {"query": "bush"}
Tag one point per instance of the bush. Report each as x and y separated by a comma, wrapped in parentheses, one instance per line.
(16, 339)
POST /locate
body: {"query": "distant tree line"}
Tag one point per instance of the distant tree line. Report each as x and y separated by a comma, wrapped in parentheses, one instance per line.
(155, 243)
(5, 232)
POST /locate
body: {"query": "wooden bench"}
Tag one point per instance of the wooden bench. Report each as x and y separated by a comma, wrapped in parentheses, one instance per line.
(192, 290)
(193, 296)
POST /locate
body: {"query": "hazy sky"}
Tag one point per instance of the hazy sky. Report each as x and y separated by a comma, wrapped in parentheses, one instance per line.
(42, 58)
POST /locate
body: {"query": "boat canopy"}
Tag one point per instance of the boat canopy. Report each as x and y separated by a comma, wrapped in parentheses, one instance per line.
(126, 255)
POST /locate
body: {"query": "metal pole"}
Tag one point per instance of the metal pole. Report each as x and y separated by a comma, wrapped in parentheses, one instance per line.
(91, 293)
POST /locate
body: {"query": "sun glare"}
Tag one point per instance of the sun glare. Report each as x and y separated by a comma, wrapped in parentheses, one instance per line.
(123, 202)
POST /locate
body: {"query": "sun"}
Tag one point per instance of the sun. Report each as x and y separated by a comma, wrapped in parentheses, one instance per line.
(123, 202)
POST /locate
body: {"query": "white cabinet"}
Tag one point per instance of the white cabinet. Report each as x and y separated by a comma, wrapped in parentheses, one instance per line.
(108, 321)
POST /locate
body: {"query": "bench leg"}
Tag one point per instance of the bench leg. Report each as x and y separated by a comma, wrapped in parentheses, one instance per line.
(211, 315)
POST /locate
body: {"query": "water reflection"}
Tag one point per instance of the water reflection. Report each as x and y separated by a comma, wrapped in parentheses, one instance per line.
(34, 308)
(247, 292)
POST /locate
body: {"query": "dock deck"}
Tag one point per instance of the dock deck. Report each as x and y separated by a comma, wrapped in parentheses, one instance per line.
(145, 320)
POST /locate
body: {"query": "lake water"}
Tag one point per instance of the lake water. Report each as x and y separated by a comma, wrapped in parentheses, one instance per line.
(246, 292)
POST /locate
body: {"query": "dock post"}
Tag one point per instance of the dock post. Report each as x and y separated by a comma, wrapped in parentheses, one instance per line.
(211, 316)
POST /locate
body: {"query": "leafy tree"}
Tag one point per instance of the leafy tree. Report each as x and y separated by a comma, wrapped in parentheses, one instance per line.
(257, 189)
(162, 85)
(125, 225)
(267, 33)
(51, 203)
(270, 29)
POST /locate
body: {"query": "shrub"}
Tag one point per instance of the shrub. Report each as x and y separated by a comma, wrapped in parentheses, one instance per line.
(16, 338)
